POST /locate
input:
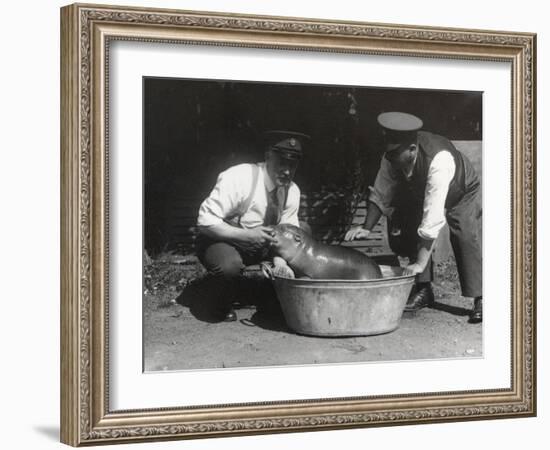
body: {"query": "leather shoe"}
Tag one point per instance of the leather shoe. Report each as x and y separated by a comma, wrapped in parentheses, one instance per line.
(476, 316)
(230, 316)
(421, 297)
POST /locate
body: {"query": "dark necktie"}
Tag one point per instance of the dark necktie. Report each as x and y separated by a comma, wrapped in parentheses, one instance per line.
(274, 210)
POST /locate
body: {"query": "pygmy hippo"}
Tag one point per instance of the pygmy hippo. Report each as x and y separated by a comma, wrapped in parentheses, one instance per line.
(313, 259)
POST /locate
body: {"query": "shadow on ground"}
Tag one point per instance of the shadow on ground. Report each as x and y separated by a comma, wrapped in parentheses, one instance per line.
(454, 310)
(207, 303)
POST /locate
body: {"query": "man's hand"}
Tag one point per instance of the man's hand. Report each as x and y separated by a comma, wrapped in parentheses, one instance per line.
(413, 269)
(257, 238)
(425, 248)
(356, 232)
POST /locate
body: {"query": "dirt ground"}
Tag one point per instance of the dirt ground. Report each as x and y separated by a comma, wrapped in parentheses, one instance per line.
(180, 334)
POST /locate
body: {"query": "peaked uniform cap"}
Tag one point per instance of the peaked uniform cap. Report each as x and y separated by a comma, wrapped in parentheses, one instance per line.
(289, 143)
(399, 128)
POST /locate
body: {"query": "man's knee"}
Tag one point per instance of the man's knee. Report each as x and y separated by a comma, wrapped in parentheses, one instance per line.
(229, 268)
(222, 260)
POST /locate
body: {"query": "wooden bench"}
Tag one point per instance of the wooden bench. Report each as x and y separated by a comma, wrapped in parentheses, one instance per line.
(329, 215)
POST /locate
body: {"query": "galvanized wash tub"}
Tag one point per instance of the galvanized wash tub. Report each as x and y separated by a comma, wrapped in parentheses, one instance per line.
(343, 307)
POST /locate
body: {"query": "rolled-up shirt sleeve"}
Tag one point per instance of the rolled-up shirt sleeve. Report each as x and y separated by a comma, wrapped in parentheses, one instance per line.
(440, 174)
(292, 205)
(224, 200)
(381, 194)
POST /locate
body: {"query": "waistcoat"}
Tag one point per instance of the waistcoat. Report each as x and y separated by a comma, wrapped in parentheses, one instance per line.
(464, 180)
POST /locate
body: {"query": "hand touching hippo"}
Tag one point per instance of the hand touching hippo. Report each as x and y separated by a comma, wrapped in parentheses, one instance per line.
(297, 250)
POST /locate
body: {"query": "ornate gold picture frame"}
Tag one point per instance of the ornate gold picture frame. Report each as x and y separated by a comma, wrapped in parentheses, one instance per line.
(87, 32)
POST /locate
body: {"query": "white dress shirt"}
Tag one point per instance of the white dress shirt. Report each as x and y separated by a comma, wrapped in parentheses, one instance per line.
(231, 192)
(440, 174)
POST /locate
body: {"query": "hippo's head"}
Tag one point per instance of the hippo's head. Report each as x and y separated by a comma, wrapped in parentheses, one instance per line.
(291, 241)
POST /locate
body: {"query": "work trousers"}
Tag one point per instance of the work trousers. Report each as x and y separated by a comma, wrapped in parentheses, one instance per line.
(464, 221)
(225, 264)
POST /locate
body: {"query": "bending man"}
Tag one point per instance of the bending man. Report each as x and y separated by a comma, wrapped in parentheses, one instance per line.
(423, 182)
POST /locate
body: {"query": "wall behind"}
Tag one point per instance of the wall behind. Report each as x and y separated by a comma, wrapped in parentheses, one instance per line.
(29, 177)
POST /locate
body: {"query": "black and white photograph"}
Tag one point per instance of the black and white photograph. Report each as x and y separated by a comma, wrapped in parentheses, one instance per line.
(302, 224)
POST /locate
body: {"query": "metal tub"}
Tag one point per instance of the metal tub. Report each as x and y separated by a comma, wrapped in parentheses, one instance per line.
(344, 307)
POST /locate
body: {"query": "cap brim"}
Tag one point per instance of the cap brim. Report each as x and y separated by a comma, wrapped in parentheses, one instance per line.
(287, 154)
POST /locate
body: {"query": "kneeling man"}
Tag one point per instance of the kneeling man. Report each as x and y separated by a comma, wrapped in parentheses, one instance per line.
(235, 219)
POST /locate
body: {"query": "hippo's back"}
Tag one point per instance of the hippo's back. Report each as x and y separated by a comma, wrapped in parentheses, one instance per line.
(341, 263)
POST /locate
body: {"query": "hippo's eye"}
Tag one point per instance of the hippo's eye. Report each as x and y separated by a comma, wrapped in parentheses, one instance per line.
(297, 238)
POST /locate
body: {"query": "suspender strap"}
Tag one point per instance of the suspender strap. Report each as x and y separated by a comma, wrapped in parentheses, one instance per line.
(248, 201)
